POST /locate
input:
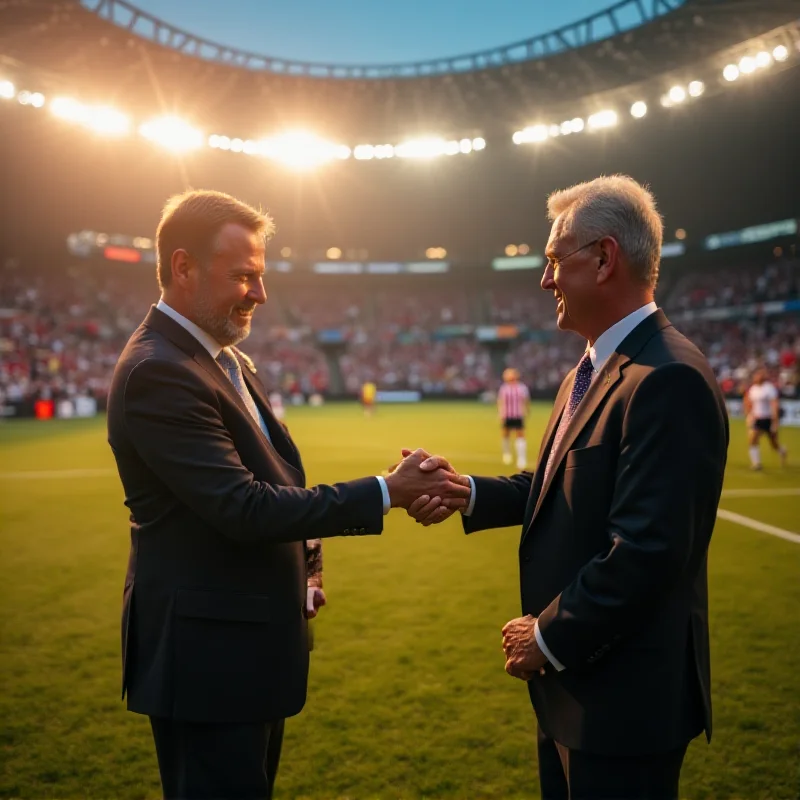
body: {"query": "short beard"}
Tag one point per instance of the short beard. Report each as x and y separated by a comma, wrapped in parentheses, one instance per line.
(220, 326)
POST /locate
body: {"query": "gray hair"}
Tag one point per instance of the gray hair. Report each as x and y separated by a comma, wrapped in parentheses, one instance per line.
(618, 206)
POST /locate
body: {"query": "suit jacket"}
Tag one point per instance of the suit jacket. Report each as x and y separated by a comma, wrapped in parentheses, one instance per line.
(213, 628)
(614, 545)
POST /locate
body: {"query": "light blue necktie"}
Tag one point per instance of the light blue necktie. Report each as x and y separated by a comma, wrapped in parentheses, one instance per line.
(230, 364)
(580, 385)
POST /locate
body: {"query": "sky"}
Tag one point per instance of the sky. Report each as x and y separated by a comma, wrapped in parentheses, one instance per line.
(368, 31)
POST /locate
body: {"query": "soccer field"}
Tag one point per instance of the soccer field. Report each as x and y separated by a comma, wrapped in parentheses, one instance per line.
(408, 696)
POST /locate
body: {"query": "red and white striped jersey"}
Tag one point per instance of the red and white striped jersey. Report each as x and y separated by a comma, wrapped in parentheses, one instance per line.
(512, 398)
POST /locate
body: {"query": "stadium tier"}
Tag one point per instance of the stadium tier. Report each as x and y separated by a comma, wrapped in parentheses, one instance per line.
(60, 334)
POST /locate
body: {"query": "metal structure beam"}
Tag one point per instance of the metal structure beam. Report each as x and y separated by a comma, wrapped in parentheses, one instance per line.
(622, 16)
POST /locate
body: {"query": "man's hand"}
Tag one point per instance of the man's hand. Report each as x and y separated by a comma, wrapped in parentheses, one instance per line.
(429, 510)
(315, 599)
(524, 658)
(408, 482)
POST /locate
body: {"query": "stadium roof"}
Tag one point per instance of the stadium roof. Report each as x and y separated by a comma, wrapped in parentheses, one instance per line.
(73, 49)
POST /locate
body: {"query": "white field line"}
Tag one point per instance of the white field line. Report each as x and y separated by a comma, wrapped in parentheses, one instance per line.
(739, 519)
(760, 492)
(50, 474)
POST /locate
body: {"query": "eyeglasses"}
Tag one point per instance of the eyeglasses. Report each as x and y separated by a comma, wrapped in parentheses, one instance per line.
(555, 262)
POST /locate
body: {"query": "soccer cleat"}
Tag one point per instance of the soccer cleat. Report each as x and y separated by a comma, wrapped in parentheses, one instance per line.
(507, 458)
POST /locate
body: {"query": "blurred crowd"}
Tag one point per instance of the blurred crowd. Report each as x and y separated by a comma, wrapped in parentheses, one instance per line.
(60, 336)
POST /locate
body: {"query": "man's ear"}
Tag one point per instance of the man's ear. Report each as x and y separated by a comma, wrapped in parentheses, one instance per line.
(182, 266)
(608, 261)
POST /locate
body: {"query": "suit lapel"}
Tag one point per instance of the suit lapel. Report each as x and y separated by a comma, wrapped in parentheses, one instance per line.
(177, 334)
(602, 384)
(280, 437)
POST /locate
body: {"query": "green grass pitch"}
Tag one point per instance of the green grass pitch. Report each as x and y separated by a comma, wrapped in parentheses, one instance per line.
(408, 697)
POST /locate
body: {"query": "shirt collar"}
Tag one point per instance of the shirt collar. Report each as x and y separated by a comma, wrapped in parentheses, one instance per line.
(611, 339)
(208, 341)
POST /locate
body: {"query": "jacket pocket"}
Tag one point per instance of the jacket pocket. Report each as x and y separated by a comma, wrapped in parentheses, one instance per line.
(586, 455)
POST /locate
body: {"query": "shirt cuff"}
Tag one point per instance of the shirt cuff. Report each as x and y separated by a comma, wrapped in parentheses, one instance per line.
(387, 501)
(545, 649)
(471, 507)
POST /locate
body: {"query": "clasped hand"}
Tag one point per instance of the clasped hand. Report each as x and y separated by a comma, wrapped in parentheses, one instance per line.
(427, 487)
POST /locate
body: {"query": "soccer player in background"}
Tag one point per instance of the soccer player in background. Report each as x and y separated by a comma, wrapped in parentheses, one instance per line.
(512, 406)
(369, 392)
(762, 411)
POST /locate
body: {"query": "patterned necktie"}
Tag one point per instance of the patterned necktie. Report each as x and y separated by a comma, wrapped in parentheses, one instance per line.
(580, 385)
(228, 361)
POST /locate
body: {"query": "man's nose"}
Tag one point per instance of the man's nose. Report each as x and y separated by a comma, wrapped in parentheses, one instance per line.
(548, 284)
(258, 293)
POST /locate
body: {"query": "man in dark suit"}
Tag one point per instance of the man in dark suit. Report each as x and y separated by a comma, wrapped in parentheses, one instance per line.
(617, 518)
(214, 631)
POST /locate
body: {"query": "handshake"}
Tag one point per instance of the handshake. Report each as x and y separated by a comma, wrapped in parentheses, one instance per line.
(427, 487)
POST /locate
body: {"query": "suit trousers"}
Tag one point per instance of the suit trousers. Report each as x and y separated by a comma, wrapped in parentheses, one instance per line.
(212, 761)
(566, 774)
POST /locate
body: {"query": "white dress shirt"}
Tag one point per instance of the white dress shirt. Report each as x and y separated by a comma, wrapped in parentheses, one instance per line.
(599, 352)
(215, 348)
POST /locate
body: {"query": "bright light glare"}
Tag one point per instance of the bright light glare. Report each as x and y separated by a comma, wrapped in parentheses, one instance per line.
(639, 109)
(37, 99)
(603, 119)
(479, 143)
(299, 149)
(677, 94)
(533, 133)
(7, 90)
(333, 253)
(511, 250)
(435, 252)
(101, 119)
(364, 152)
(731, 72)
(465, 145)
(763, 59)
(421, 148)
(747, 65)
(577, 125)
(780, 53)
(696, 88)
(172, 133)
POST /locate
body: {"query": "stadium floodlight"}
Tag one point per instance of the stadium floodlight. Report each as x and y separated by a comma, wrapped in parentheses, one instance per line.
(731, 72)
(780, 53)
(511, 250)
(677, 94)
(101, 119)
(421, 148)
(533, 133)
(343, 152)
(566, 128)
(386, 151)
(333, 253)
(107, 121)
(602, 119)
(237, 145)
(286, 252)
(465, 145)
(363, 152)
(172, 133)
(7, 90)
(37, 100)
(696, 88)
(435, 252)
(523, 249)
(577, 125)
(452, 148)
(26, 98)
(639, 109)
(299, 149)
(553, 131)
(747, 65)
(763, 59)
(479, 143)
(517, 137)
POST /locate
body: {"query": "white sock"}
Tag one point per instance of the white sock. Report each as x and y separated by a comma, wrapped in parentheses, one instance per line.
(506, 448)
(755, 456)
(522, 453)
